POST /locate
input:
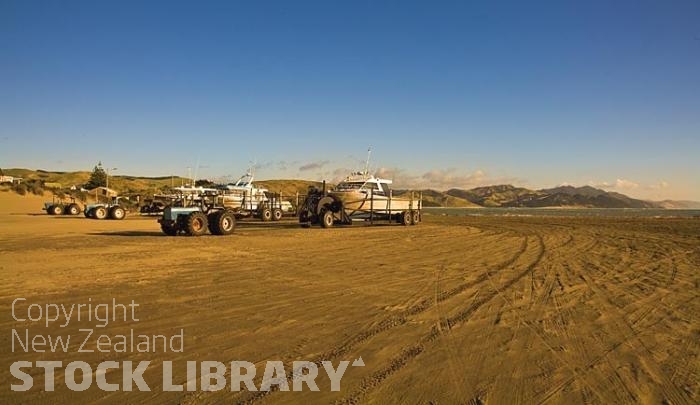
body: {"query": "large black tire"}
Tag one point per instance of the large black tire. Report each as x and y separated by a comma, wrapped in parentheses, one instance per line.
(56, 209)
(99, 212)
(211, 222)
(196, 224)
(117, 212)
(169, 230)
(276, 214)
(304, 220)
(327, 219)
(223, 223)
(88, 213)
(265, 214)
(72, 209)
(406, 218)
(415, 217)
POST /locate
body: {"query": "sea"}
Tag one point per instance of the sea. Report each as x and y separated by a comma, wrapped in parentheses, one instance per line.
(567, 212)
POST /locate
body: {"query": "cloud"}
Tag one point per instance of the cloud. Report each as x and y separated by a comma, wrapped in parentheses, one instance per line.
(443, 179)
(633, 187)
(622, 184)
(339, 173)
(313, 165)
(619, 184)
(275, 164)
(659, 186)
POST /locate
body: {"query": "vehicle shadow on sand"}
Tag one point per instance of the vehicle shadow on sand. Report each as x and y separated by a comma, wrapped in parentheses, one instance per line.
(128, 233)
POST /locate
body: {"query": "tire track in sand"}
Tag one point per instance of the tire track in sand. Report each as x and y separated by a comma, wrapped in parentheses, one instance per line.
(412, 351)
(404, 316)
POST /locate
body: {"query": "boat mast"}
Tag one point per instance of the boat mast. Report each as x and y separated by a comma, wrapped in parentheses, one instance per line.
(369, 152)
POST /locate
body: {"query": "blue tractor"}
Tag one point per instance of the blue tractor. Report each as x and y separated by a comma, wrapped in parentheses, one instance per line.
(111, 210)
(196, 213)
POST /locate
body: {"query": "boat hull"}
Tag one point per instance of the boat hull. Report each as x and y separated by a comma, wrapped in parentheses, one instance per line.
(359, 203)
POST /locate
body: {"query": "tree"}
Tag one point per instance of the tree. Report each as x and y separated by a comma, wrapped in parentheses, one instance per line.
(98, 177)
(204, 183)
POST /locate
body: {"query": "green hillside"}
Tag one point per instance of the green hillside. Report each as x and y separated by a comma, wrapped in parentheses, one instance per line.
(433, 198)
(289, 187)
(124, 184)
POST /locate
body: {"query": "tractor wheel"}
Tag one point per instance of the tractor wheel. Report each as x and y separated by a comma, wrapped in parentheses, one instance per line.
(415, 217)
(56, 209)
(170, 230)
(117, 212)
(265, 214)
(304, 220)
(196, 224)
(73, 209)
(406, 218)
(99, 213)
(224, 223)
(88, 213)
(276, 214)
(327, 219)
(211, 222)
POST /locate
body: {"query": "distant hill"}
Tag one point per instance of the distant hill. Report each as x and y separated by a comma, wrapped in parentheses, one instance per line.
(433, 198)
(687, 205)
(289, 187)
(506, 195)
(503, 195)
(124, 184)
(496, 196)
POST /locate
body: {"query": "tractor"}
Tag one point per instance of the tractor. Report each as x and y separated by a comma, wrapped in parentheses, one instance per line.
(111, 210)
(196, 214)
(59, 207)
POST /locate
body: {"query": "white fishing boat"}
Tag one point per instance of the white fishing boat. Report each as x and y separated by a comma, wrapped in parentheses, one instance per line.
(361, 192)
(244, 198)
(360, 197)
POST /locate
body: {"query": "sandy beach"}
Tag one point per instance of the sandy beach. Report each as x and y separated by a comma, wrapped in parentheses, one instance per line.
(480, 309)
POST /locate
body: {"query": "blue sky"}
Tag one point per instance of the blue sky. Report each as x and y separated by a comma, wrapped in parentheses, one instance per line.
(447, 94)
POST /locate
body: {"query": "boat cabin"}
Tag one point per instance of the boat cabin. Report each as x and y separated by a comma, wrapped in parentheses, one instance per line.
(365, 184)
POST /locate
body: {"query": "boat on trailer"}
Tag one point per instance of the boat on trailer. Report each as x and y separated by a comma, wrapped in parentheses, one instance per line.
(360, 197)
(363, 194)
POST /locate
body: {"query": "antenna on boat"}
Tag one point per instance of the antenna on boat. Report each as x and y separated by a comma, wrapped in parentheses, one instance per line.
(369, 152)
(251, 170)
(196, 171)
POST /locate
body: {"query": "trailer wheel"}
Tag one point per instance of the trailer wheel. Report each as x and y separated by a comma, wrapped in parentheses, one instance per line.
(327, 219)
(73, 209)
(223, 223)
(196, 224)
(276, 214)
(406, 218)
(170, 230)
(99, 213)
(56, 209)
(117, 212)
(266, 214)
(415, 217)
